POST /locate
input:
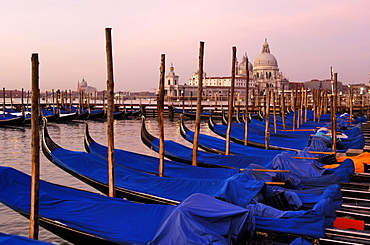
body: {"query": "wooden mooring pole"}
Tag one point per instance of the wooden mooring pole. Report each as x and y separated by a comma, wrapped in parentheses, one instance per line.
(231, 101)
(267, 115)
(199, 105)
(246, 113)
(35, 149)
(160, 105)
(333, 110)
(110, 102)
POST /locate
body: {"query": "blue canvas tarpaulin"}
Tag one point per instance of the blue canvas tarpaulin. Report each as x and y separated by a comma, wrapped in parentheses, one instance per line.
(9, 239)
(199, 218)
(173, 169)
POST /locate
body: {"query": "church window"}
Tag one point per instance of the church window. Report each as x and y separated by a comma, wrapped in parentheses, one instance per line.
(169, 82)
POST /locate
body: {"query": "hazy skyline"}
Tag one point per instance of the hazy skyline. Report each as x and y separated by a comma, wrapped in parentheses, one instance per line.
(306, 37)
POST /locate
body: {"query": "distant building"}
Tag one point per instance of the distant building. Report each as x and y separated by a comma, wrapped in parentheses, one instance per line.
(264, 73)
(322, 84)
(83, 87)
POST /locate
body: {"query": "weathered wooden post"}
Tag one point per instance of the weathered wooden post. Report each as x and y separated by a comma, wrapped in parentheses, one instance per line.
(199, 105)
(35, 149)
(274, 109)
(283, 108)
(3, 102)
(267, 129)
(246, 113)
(110, 102)
(231, 102)
(160, 105)
(334, 113)
(306, 104)
(22, 104)
(350, 104)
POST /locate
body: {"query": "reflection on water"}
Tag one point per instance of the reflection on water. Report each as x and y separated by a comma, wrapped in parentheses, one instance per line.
(16, 153)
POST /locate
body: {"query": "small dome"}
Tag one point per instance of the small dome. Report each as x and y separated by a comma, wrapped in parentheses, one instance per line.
(83, 83)
(242, 65)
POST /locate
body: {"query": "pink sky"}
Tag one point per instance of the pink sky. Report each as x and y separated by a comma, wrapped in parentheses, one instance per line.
(306, 37)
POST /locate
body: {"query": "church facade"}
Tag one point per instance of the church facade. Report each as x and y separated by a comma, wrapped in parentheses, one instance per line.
(264, 72)
(82, 86)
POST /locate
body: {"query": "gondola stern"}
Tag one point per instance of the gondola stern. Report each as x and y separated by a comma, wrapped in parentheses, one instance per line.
(183, 128)
(48, 145)
(88, 140)
(211, 122)
(146, 137)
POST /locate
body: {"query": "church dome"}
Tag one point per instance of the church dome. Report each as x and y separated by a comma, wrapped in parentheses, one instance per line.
(265, 58)
(242, 65)
(83, 83)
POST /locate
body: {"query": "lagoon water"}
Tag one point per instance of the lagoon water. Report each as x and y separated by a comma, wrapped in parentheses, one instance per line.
(16, 153)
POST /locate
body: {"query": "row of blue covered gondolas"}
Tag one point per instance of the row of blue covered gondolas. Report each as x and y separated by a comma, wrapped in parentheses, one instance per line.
(10, 117)
(290, 194)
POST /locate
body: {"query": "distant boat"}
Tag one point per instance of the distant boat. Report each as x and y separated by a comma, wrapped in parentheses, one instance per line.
(11, 120)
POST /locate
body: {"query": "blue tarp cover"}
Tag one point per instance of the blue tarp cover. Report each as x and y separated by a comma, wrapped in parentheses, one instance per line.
(171, 169)
(310, 223)
(185, 153)
(9, 239)
(176, 189)
(199, 219)
(276, 140)
(256, 155)
(202, 220)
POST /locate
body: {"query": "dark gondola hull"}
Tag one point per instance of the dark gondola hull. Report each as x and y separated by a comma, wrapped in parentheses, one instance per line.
(11, 121)
(95, 114)
(48, 145)
(67, 117)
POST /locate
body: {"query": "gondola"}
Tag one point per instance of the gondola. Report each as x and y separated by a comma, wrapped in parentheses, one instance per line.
(16, 113)
(88, 218)
(258, 140)
(116, 114)
(217, 145)
(181, 153)
(149, 164)
(50, 115)
(83, 114)
(10, 120)
(95, 114)
(65, 117)
(259, 127)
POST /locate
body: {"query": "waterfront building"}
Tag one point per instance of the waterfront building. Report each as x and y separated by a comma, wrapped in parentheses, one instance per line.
(84, 87)
(265, 72)
(322, 84)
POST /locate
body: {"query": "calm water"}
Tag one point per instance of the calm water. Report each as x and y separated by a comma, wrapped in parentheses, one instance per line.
(16, 153)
